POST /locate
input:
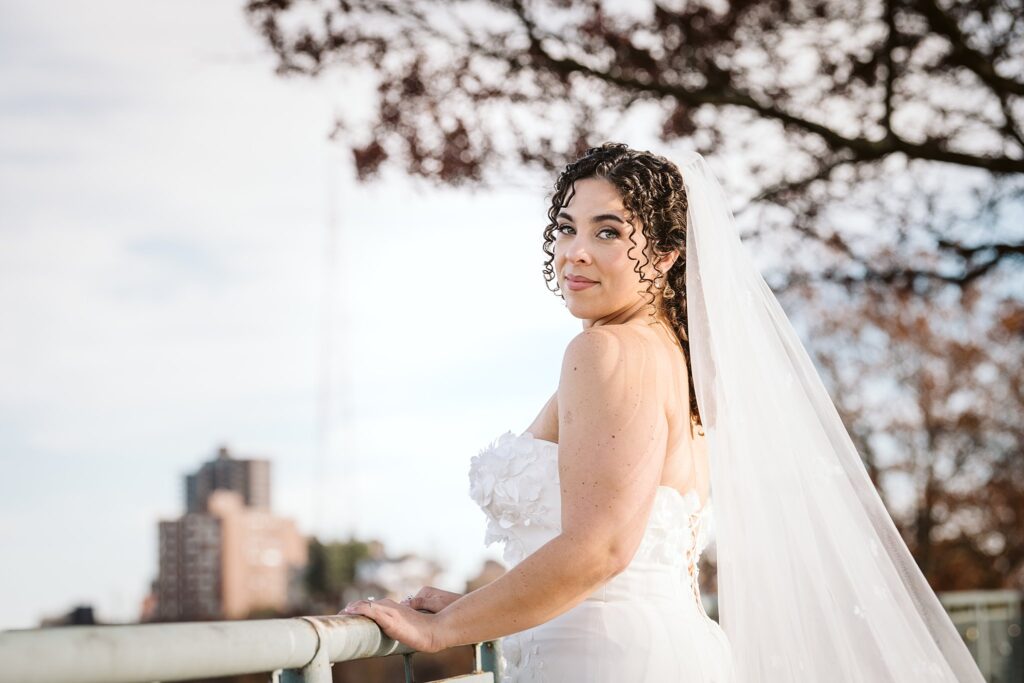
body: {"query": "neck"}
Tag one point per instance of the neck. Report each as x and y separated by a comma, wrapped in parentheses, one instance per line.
(636, 312)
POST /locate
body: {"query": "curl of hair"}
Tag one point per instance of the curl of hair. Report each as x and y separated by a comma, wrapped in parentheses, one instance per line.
(653, 192)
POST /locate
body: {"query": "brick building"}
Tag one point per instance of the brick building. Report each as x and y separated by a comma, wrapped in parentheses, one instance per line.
(228, 556)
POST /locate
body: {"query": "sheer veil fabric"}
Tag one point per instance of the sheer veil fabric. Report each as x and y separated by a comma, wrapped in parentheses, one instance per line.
(815, 582)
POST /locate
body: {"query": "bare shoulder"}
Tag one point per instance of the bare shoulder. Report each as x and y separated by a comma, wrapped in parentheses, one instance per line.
(605, 363)
(600, 347)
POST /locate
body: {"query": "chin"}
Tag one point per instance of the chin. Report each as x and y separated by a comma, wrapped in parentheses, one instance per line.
(576, 314)
(584, 310)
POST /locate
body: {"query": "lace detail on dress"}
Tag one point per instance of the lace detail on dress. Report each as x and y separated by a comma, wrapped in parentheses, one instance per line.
(507, 479)
(697, 540)
(667, 541)
(523, 663)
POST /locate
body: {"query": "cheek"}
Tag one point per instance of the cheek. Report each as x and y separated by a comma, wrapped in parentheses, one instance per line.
(556, 249)
(619, 267)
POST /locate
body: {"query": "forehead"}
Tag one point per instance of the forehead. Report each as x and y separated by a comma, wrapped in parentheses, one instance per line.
(595, 195)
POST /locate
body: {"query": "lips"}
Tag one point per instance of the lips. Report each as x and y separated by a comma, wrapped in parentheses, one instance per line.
(575, 283)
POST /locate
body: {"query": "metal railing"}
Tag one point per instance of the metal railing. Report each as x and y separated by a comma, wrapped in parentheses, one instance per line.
(301, 649)
(990, 622)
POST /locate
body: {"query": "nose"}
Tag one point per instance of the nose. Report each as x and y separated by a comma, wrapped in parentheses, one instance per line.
(576, 251)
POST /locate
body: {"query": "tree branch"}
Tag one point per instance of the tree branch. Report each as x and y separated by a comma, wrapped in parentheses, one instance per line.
(967, 56)
(863, 149)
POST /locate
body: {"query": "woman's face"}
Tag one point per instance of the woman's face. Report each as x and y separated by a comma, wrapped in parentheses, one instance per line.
(592, 241)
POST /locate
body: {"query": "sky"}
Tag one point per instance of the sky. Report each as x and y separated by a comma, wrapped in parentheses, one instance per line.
(166, 204)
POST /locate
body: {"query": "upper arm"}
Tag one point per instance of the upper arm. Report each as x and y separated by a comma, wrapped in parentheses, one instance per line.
(546, 421)
(611, 428)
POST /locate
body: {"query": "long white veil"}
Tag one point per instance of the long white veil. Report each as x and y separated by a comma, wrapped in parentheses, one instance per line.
(815, 582)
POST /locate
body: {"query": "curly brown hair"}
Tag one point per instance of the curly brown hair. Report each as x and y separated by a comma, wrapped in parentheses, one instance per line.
(652, 191)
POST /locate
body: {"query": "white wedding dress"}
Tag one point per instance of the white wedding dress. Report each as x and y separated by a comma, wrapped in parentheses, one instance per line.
(645, 625)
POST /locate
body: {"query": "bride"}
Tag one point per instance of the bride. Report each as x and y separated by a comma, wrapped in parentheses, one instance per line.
(686, 381)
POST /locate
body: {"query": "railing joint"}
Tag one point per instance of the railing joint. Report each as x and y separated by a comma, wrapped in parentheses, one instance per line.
(318, 669)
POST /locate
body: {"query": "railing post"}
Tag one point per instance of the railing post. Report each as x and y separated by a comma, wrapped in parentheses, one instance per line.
(407, 663)
(488, 658)
(318, 670)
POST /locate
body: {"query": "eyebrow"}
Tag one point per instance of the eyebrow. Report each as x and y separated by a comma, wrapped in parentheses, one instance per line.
(596, 219)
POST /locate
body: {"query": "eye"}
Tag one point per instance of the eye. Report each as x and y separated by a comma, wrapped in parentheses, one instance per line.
(560, 229)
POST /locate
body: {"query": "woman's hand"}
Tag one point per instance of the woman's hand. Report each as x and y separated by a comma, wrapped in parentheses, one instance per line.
(431, 599)
(418, 630)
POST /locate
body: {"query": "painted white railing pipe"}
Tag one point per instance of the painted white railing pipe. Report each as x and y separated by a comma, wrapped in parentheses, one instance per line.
(303, 647)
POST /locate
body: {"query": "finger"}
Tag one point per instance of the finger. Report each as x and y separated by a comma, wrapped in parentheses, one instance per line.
(412, 598)
(440, 600)
(383, 612)
(372, 607)
(420, 603)
(358, 607)
(426, 592)
(435, 603)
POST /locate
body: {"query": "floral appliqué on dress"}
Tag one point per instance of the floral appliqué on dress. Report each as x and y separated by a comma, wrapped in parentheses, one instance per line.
(507, 479)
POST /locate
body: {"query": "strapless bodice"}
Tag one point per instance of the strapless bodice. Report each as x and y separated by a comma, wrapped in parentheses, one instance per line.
(515, 482)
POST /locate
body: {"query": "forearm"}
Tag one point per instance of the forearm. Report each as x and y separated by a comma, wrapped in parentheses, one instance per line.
(554, 579)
